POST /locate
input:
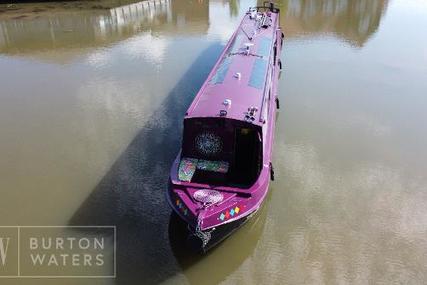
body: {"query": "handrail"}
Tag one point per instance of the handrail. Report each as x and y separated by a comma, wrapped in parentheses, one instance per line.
(269, 75)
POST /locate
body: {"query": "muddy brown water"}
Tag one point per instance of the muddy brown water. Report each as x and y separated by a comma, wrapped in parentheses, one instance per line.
(92, 95)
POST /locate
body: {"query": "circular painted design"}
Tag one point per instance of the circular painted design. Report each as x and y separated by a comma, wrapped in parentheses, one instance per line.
(208, 196)
(208, 143)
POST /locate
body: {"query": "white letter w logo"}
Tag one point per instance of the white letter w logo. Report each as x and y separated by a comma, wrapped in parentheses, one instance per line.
(3, 249)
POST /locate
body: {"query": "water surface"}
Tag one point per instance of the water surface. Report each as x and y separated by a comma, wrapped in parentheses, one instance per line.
(91, 102)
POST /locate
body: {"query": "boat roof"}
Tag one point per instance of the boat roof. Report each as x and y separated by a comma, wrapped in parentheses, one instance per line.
(237, 80)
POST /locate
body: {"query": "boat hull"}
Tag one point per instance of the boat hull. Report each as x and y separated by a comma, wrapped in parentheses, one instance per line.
(194, 242)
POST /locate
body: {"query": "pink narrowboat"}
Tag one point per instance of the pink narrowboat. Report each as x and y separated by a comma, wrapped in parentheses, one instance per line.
(222, 173)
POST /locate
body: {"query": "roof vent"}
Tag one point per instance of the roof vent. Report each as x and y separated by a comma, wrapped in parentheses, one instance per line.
(227, 102)
(248, 46)
(222, 113)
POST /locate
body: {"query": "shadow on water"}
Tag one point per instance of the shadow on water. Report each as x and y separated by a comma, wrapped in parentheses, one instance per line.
(132, 194)
(132, 197)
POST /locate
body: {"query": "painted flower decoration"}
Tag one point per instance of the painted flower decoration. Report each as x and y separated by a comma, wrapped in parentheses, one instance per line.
(208, 144)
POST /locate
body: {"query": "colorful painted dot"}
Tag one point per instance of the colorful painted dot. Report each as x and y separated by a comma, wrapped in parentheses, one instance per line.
(177, 202)
(221, 217)
(237, 209)
(185, 212)
(232, 212)
(227, 214)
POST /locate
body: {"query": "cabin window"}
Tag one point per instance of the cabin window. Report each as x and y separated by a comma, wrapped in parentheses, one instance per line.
(275, 53)
(220, 152)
